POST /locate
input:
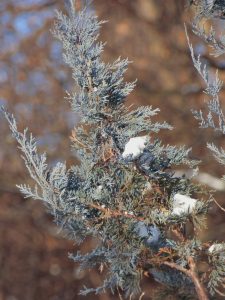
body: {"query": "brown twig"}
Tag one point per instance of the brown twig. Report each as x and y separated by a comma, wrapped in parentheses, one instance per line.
(223, 209)
(142, 295)
(74, 139)
(178, 234)
(120, 296)
(220, 293)
(193, 275)
(115, 213)
(131, 296)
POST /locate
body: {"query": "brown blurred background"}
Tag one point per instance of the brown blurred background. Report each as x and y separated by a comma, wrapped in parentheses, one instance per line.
(34, 262)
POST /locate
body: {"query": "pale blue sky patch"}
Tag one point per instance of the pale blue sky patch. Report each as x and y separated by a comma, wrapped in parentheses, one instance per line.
(21, 24)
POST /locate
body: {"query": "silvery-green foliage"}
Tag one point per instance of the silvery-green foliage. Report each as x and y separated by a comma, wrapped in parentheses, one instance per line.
(34, 162)
(172, 278)
(166, 292)
(215, 117)
(205, 10)
(217, 43)
(219, 154)
(208, 9)
(217, 275)
(105, 196)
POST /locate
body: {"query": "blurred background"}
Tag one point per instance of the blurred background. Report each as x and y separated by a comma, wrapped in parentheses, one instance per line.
(34, 260)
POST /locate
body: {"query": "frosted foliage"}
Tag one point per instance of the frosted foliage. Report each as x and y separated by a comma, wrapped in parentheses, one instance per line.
(213, 117)
(124, 192)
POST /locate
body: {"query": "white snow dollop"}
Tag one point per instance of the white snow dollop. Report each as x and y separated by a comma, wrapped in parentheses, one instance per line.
(135, 146)
(183, 204)
(99, 188)
(148, 187)
(216, 247)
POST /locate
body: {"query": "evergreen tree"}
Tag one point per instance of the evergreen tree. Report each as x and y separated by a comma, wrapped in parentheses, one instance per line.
(125, 191)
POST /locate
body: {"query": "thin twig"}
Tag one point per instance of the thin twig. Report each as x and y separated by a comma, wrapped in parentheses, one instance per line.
(74, 139)
(115, 213)
(72, 5)
(193, 275)
(198, 286)
(120, 296)
(223, 209)
(142, 295)
(220, 293)
(178, 234)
